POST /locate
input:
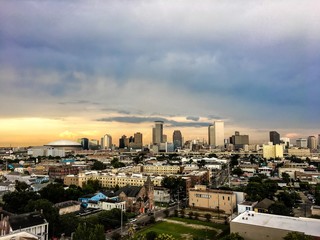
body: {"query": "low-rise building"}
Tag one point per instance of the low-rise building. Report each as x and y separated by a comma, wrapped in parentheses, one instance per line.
(252, 226)
(203, 198)
(68, 207)
(108, 204)
(246, 206)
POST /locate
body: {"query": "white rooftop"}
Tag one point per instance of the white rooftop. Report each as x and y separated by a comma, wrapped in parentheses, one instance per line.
(309, 226)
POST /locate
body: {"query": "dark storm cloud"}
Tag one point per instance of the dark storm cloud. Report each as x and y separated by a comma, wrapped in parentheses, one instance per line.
(254, 61)
(167, 122)
(193, 118)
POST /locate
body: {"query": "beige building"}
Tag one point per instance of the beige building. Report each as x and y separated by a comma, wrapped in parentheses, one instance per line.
(110, 180)
(68, 207)
(252, 226)
(203, 198)
(272, 151)
(162, 169)
(299, 152)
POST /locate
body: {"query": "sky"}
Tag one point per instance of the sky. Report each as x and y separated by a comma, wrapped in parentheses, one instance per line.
(72, 69)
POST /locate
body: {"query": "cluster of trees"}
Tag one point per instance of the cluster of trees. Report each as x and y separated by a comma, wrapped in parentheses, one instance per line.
(176, 185)
(22, 201)
(259, 187)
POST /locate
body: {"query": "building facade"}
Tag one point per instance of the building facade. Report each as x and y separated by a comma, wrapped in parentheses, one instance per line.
(157, 133)
(216, 134)
(177, 139)
(252, 226)
(274, 137)
(203, 198)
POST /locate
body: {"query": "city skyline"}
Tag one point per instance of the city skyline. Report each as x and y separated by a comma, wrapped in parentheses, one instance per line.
(67, 71)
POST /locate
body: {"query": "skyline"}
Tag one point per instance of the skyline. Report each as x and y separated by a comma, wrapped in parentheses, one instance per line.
(78, 69)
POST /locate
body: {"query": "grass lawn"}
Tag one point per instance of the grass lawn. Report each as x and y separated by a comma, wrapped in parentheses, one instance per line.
(178, 230)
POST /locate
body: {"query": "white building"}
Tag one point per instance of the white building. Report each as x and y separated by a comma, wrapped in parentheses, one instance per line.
(253, 225)
(107, 204)
(216, 134)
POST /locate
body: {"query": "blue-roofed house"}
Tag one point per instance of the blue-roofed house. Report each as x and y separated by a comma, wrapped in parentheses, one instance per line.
(91, 197)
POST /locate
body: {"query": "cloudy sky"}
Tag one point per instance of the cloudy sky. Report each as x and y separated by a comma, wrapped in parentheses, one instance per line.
(71, 69)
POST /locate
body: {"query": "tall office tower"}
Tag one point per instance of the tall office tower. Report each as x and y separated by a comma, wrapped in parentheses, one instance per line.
(312, 142)
(274, 137)
(106, 142)
(138, 140)
(84, 143)
(164, 138)
(123, 141)
(157, 133)
(239, 140)
(216, 134)
(301, 143)
(319, 141)
(177, 139)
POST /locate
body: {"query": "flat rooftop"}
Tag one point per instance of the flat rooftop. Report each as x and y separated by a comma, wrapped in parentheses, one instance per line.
(309, 226)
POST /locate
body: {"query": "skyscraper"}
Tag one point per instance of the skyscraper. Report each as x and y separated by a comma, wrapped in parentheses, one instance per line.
(301, 143)
(239, 140)
(84, 143)
(106, 142)
(216, 134)
(274, 137)
(312, 142)
(177, 139)
(157, 133)
(138, 140)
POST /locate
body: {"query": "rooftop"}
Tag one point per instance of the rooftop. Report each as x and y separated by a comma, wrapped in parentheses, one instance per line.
(309, 226)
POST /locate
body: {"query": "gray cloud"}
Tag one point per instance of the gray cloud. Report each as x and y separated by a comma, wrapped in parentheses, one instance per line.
(193, 118)
(167, 122)
(255, 62)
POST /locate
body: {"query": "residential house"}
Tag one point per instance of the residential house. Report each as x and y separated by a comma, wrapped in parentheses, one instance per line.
(263, 205)
(33, 223)
(68, 207)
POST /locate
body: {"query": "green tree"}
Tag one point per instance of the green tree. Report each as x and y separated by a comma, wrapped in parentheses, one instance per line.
(279, 208)
(297, 236)
(208, 217)
(151, 235)
(237, 171)
(233, 236)
(91, 186)
(21, 186)
(67, 224)
(83, 232)
(15, 202)
(50, 213)
(53, 192)
(285, 177)
(234, 160)
(97, 165)
(166, 212)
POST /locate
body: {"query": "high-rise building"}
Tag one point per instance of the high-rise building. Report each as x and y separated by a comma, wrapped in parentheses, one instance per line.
(285, 141)
(274, 137)
(123, 141)
(84, 143)
(216, 134)
(301, 143)
(312, 142)
(157, 133)
(106, 142)
(177, 139)
(239, 140)
(137, 140)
